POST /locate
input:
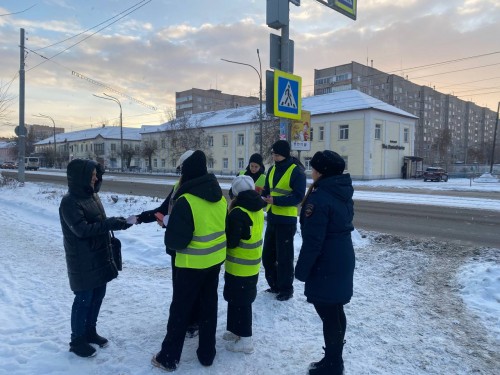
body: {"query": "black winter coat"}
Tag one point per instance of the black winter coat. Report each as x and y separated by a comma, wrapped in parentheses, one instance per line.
(86, 234)
(326, 260)
(238, 290)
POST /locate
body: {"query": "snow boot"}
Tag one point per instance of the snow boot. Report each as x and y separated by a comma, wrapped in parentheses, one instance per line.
(94, 338)
(229, 336)
(242, 344)
(81, 347)
(169, 367)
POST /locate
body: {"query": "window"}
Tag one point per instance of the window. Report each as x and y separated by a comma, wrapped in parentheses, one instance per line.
(378, 131)
(241, 163)
(155, 163)
(321, 133)
(163, 163)
(210, 141)
(155, 144)
(163, 143)
(173, 163)
(257, 139)
(308, 163)
(241, 139)
(344, 132)
(346, 160)
(113, 146)
(86, 147)
(225, 163)
(225, 141)
(406, 135)
(210, 163)
(99, 148)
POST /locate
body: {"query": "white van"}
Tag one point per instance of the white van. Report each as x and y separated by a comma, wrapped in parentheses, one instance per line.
(31, 163)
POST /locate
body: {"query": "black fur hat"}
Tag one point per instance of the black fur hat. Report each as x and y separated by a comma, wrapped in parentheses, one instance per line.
(282, 148)
(328, 163)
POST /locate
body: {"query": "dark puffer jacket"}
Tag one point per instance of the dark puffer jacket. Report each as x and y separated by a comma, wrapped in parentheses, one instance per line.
(326, 260)
(85, 230)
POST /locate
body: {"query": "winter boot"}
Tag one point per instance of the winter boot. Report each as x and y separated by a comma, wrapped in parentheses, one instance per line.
(318, 364)
(242, 344)
(229, 336)
(94, 338)
(331, 364)
(169, 367)
(81, 347)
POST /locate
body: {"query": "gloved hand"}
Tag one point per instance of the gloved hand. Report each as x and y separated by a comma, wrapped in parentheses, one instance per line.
(140, 218)
(117, 223)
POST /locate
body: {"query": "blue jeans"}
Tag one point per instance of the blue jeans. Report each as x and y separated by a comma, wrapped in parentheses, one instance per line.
(85, 310)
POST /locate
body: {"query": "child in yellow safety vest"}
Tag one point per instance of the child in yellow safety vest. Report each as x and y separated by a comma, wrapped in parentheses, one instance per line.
(244, 229)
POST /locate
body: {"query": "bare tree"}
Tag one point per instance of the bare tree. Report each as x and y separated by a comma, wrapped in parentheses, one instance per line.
(147, 151)
(185, 133)
(127, 154)
(5, 101)
(270, 133)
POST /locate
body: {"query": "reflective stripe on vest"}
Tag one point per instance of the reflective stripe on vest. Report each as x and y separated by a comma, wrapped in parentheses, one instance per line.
(282, 188)
(208, 245)
(244, 260)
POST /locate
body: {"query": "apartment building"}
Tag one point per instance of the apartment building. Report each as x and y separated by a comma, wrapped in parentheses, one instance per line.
(448, 130)
(197, 101)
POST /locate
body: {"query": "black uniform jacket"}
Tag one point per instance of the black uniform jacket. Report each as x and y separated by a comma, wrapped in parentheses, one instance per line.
(86, 235)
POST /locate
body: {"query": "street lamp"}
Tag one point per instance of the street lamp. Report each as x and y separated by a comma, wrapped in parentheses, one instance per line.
(54, 124)
(109, 97)
(259, 73)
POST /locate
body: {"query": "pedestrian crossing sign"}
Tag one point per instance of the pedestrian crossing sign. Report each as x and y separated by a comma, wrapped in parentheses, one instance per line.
(287, 95)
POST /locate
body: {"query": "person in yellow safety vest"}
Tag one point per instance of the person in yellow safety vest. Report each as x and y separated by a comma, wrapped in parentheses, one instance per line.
(256, 170)
(284, 189)
(196, 231)
(165, 209)
(244, 229)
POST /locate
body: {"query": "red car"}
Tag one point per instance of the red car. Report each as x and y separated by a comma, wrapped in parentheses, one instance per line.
(8, 165)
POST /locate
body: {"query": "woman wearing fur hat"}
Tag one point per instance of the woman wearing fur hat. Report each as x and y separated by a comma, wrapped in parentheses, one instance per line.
(244, 228)
(87, 244)
(196, 232)
(326, 260)
(256, 170)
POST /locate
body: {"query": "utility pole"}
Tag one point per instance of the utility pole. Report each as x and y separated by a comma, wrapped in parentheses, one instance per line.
(21, 129)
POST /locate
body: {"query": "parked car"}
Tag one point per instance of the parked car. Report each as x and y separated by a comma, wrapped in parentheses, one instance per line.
(435, 174)
(8, 165)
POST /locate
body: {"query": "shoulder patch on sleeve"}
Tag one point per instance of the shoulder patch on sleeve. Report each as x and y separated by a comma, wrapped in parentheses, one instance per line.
(309, 209)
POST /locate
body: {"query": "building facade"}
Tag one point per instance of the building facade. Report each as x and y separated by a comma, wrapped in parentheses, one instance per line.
(194, 101)
(100, 144)
(449, 129)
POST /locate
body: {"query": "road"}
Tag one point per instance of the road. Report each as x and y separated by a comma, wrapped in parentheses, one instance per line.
(458, 225)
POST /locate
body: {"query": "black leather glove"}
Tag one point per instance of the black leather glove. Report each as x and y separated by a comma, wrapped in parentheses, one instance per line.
(140, 218)
(117, 223)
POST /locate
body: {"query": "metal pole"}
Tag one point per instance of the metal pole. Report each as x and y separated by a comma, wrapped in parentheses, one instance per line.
(259, 73)
(109, 97)
(22, 128)
(494, 140)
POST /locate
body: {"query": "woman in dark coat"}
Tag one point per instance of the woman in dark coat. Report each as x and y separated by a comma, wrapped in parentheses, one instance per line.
(256, 170)
(89, 257)
(326, 260)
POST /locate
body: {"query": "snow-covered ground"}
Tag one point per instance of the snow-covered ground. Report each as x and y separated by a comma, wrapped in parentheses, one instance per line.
(419, 307)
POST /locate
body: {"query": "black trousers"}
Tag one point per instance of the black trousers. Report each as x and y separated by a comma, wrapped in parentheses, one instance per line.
(239, 319)
(189, 285)
(195, 312)
(278, 255)
(334, 327)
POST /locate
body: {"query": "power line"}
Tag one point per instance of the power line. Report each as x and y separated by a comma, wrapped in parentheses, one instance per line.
(22, 11)
(91, 35)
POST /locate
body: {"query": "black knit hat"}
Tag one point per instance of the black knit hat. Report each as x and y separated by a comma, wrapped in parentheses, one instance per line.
(257, 159)
(328, 163)
(194, 166)
(282, 148)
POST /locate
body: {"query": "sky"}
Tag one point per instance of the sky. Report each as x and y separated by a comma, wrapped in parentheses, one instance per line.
(419, 307)
(164, 46)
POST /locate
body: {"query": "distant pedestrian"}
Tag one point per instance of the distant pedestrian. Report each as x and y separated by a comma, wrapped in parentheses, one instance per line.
(196, 231)
(244, 229)
(326, 260)
(284, 189)
(87, 244)
(256, 170)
